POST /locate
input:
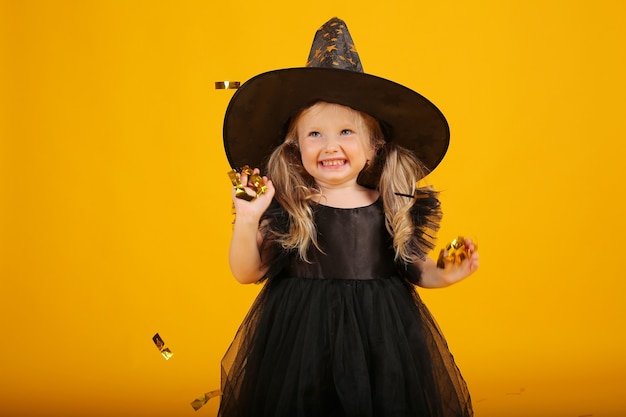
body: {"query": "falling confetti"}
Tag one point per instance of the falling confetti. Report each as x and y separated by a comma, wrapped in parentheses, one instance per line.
(227, 85)
(204, 398)
(158, 342)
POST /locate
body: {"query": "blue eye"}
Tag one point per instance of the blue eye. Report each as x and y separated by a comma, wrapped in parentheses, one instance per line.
(346, 132)
(315, 134)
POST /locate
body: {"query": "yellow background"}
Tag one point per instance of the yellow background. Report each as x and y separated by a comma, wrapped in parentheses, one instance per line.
(116, 214)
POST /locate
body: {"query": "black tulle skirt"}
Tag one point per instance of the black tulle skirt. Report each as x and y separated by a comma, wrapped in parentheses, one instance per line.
(313, 347)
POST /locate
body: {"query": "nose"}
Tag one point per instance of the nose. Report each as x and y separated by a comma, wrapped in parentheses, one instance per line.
(331, 145)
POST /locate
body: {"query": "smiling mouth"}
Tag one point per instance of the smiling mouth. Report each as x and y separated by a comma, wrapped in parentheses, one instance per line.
(333, 162)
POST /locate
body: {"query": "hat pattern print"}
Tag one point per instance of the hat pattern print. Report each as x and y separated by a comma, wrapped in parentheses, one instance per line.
(333, 48)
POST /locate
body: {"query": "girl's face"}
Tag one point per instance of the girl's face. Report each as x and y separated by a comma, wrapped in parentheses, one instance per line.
(334, 143)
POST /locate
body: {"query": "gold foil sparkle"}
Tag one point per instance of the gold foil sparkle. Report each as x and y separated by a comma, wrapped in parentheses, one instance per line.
(227, 85)
(456, 252)
(204, 398)
(254, 181)
(158, 342)
(167, 354)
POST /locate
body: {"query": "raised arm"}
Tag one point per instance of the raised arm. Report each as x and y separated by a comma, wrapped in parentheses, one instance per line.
(244, 257)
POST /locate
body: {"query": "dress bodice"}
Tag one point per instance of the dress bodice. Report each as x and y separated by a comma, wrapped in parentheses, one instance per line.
(355, 245)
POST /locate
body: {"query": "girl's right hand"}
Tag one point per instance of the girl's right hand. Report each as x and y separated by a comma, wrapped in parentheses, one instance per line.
(254, 209)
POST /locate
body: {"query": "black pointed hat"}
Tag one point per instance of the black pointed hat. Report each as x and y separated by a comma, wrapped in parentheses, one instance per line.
(257, 116)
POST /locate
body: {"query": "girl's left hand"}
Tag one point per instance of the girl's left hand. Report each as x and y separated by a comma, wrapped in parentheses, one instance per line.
(453, 272)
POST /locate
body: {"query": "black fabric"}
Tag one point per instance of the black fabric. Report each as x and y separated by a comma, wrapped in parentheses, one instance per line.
(343, 335)
(346, 234)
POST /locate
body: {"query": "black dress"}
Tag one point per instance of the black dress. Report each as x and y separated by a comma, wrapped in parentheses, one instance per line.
(343, 335)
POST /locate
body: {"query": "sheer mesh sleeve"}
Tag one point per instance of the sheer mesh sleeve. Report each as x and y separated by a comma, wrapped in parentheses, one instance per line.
(426, 215)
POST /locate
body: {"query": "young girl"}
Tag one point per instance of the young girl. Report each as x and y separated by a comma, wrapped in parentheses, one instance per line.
(339, 234)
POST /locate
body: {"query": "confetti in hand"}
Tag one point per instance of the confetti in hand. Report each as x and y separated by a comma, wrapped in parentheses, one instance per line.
(254, 181)
(456, 252)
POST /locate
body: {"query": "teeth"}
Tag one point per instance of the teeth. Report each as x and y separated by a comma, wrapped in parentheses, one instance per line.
(333, 162)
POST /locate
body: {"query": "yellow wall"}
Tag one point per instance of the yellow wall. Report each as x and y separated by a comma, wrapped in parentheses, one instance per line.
(116, 213)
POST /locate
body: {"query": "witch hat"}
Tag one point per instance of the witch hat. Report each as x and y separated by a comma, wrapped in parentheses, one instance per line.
(258, 114)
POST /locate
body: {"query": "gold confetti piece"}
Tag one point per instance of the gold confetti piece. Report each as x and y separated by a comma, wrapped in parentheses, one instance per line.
(158, 341)
(240, 191)
(258, 185)
(456, 252)
(227, 85)
(254, 181)
(204, 398)
(160, 344)
(167, 354)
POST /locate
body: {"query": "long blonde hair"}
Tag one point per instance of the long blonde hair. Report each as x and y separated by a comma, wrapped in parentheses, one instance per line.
(296, 189)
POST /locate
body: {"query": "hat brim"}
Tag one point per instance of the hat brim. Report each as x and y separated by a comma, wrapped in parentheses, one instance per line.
(256, 117)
